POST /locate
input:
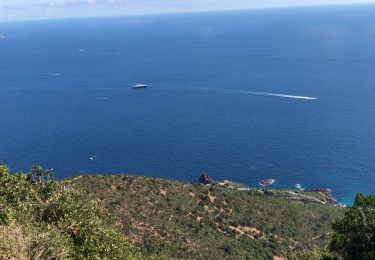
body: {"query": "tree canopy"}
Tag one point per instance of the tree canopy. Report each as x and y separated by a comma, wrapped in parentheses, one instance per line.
(42, 220)
(354, 236)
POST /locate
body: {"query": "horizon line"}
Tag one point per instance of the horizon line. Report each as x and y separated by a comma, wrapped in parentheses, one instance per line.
(187, 12)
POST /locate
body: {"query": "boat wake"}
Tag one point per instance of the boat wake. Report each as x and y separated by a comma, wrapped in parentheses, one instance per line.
(264, 94)
(260, 93)
(51, 74)
(281, 95)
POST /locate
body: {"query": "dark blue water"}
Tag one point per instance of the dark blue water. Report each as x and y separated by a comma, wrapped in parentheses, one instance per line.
(65, 96)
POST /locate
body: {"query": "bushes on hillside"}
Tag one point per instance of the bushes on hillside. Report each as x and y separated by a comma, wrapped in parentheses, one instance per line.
(355, 233)
(41, 220)
(354, 237)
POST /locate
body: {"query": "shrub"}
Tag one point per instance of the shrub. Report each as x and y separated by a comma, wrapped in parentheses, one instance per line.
(354, 236)
(41, 220)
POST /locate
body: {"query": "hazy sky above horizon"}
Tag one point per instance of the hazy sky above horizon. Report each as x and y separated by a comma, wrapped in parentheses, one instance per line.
(45, 9)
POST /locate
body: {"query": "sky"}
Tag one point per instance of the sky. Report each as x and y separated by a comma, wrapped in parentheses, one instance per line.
(49, 9)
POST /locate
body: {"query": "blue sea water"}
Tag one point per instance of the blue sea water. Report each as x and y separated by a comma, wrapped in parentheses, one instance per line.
(65, 96)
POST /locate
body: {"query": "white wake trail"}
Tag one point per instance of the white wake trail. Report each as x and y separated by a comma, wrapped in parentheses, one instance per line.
(281, 95)
(51, 74)
(233, 91)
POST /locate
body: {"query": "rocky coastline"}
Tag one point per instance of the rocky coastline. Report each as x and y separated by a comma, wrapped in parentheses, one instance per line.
(316, 195)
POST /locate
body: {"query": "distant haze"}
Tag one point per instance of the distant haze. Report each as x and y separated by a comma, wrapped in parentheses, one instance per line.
(47, 9)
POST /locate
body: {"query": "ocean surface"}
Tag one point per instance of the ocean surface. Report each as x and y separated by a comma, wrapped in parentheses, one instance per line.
(287, 94)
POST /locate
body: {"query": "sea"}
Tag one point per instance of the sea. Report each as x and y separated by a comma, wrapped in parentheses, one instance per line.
(286, 93)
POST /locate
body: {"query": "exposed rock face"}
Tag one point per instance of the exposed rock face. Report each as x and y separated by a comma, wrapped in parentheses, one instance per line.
(324, 191)
(211, 198)
(163, 192)
(191, 194)
(327, 193)
(205, 179)
(266, 182)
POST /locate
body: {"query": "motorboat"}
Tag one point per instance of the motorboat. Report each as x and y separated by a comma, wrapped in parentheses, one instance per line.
(139, 85)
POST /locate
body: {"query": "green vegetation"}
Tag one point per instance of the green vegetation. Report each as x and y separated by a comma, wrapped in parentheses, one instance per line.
(132, 217)
(42, 220)
(354, 236)
(184, 220)
(317, 254)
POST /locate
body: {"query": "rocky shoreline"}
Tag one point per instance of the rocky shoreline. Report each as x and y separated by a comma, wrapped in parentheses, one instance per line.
(317, 195)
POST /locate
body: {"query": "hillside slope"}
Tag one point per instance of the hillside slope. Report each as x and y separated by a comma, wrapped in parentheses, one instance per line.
(184, 220)
(41, 220)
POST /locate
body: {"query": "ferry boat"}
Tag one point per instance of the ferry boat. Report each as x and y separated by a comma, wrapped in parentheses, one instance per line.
(139, 85)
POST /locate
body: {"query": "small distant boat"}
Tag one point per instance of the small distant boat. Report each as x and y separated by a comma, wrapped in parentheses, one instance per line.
(298, 186)
(139, 85)
(266, 182)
